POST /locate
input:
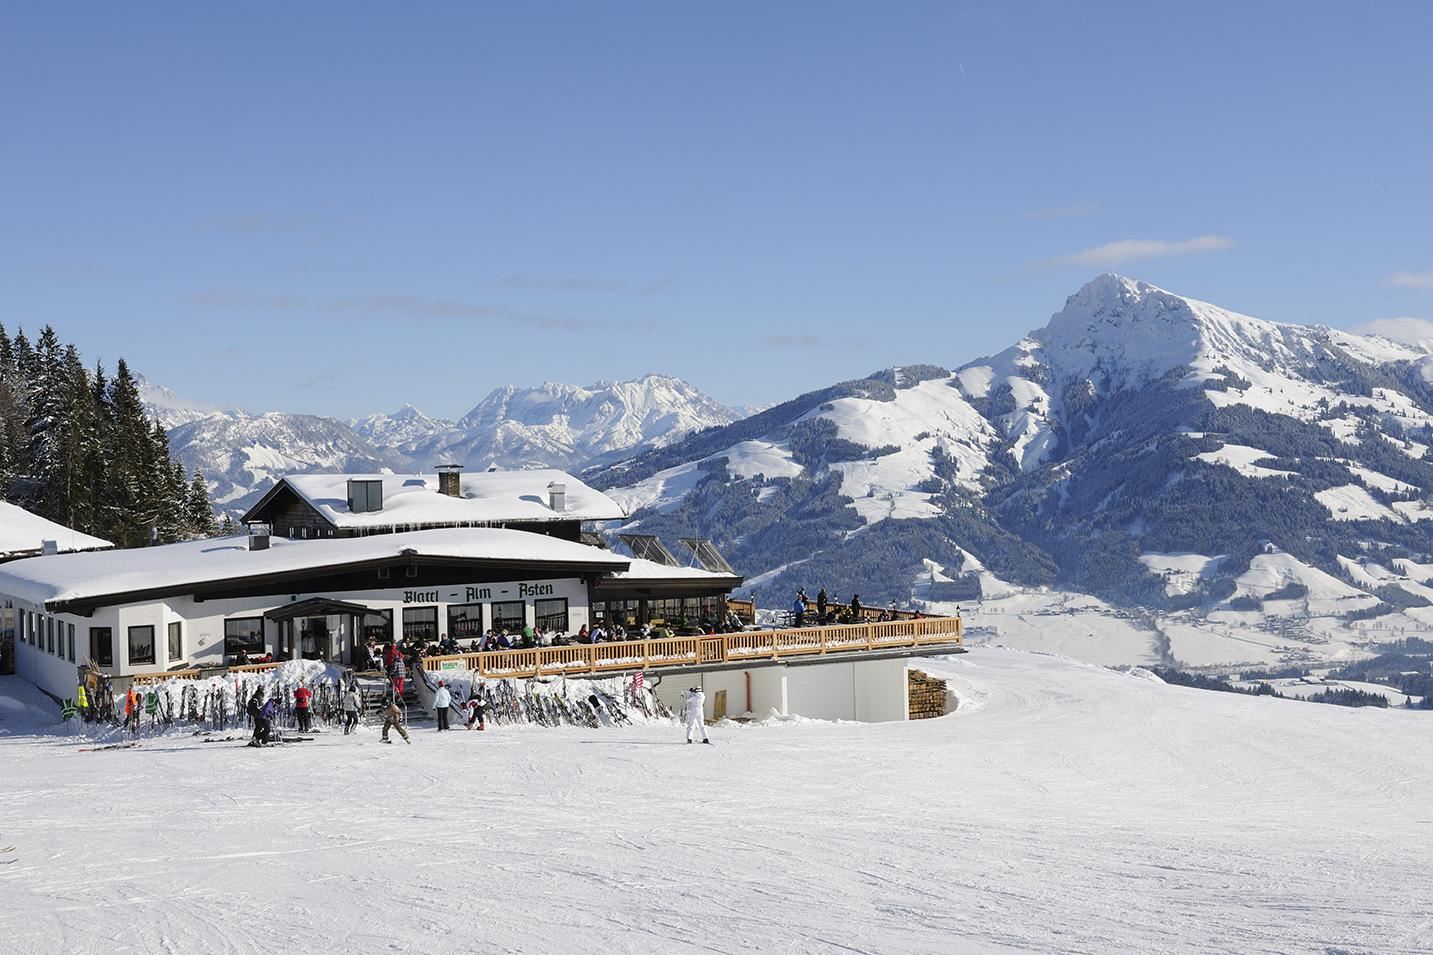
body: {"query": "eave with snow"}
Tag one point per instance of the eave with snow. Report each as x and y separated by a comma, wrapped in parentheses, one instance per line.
(23, 534)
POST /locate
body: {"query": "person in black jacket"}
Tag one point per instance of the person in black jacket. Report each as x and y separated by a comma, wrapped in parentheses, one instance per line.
(821, 607)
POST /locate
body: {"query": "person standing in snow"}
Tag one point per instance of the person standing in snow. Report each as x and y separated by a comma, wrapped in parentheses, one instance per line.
(131, 709)
(350, 709)
(302, 696)
(82, 702)
(442, 699)
(399, 674)
(696, 703)
(393, 719)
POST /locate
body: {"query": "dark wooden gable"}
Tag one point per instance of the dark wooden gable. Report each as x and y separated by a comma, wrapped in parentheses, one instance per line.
(284, 510)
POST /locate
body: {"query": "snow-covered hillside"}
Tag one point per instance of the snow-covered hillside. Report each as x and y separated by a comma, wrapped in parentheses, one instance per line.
(1062, 807)
(1141, 446)
(241, 455)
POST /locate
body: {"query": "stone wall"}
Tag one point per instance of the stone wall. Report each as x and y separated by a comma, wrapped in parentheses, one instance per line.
(927, 696)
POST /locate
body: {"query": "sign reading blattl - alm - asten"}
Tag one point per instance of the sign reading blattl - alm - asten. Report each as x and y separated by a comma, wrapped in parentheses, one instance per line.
(472, 594)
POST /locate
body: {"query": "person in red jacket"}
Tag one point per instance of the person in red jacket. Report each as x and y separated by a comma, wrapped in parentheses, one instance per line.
(302, 696)
(131, 709)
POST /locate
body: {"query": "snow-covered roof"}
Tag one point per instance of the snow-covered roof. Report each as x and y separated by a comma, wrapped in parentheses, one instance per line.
(651, 570)
(22, 532)
(487, 497)
(63, 578)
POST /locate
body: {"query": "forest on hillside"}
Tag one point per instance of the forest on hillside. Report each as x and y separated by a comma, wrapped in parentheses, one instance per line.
(78, 447)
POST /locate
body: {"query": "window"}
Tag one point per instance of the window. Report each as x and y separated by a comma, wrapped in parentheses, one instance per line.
(244, 634)
(101, 646)
(509, 615)
(70, 639)
(420, 623)
(141, 645)
(378, 625)
(551, 614)
(49, 634)
(176, 641)
(465, 621)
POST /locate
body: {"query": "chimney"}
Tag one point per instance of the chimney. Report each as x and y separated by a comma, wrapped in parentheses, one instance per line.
(49, 548)
(258, 537)
(450, 480)
(557, 496)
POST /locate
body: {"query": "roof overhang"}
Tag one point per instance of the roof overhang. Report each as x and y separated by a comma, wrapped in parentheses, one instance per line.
(288, 580)
(315, 607)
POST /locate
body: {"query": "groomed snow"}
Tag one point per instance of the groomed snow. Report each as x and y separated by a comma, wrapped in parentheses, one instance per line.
(23, 532)
(1064, 808)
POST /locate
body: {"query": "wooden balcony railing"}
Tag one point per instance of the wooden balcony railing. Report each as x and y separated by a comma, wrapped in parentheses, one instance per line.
(691, 651)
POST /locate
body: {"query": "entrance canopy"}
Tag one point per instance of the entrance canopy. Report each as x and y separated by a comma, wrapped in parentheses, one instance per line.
(315, 607)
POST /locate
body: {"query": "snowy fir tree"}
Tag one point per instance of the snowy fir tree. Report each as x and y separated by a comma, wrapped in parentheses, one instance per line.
(79, 448)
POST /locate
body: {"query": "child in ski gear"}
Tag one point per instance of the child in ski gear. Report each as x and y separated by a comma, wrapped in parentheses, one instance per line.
(302, 696)
(350, 709)
(393, 719)
(264, 731)
(696, 701)
(82, 702)
(442, 699)
(475, 711)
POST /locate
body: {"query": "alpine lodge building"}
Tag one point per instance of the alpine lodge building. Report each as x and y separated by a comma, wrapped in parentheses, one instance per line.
(333, 560)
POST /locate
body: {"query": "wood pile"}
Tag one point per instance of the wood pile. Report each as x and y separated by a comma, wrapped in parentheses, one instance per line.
(927, 696)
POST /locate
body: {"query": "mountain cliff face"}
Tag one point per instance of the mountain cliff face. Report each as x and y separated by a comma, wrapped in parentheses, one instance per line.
(1136, 435)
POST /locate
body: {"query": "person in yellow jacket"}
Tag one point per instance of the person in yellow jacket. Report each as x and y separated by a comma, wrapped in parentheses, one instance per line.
(82, 701)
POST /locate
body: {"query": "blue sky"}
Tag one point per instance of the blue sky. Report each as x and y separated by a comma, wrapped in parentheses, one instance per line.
(339, 208)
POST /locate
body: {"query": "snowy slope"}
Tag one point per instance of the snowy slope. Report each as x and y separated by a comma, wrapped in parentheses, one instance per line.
(1062, 808)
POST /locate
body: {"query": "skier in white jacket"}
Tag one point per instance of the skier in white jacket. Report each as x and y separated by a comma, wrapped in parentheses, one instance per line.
(442, 699)
(696, 700)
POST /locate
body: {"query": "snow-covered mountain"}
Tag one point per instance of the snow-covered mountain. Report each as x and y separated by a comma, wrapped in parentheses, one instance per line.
(406, 426)
(1157, 451)
(554, 425)
(241, 454)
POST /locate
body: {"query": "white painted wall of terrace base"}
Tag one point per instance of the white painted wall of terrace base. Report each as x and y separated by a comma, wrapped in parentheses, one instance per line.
(869, 691)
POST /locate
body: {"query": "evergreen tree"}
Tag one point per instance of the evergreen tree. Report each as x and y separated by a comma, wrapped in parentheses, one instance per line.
(127, 507)
(227, 528)
(200, 512)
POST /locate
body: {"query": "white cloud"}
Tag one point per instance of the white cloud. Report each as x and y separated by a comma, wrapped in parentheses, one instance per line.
(1410, 279)
(1129, 250)
(1406, 329)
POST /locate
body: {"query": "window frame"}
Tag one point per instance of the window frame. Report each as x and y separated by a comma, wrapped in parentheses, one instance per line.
(174, 633)
(458, 633)
(433, 608)
(247, 648)
(71, 641)
(538, 615)
(108, 633)
(129, 645)
(500, 623)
